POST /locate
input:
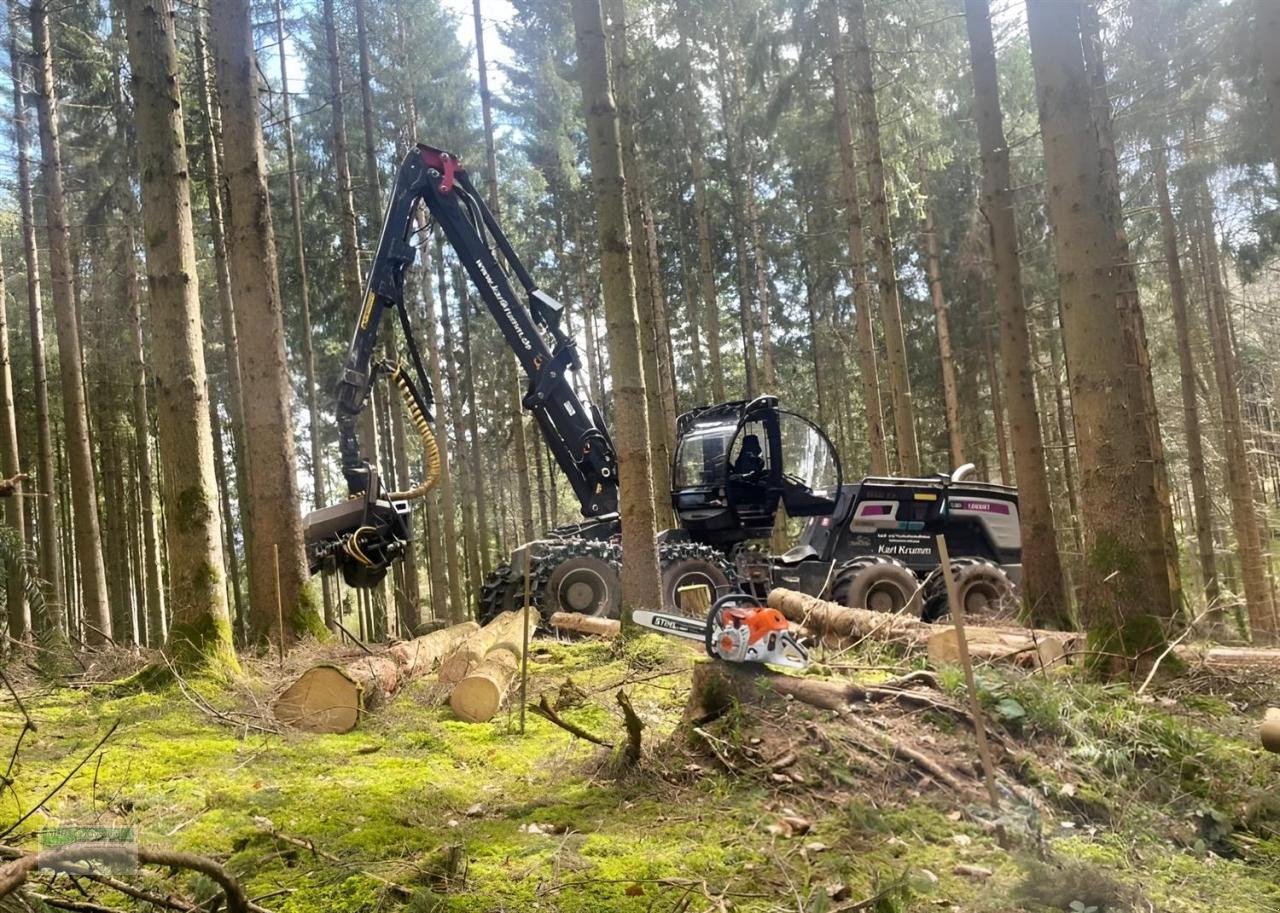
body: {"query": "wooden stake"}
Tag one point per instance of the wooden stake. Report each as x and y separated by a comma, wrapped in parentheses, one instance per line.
(279, 605)
(524, 652)
(975, 708)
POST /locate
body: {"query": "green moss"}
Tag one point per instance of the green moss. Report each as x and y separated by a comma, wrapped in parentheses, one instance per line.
(192, 509)
(307, 618)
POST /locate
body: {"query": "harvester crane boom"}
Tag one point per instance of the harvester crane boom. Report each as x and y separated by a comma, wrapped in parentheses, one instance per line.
(364, 535)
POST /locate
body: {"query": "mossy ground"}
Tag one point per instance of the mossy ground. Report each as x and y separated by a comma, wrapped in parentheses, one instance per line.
(1165, 799)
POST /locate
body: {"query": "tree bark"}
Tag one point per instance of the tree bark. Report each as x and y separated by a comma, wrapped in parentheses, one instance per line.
(942, 320)
(46, 482)
(691, 114)
(857, 251)
(239, 617)
(448, 501)
(304, 294)
(640, 579)
(1263, 623)
(882, 241)
(648, 296)
(470, 535)
(16, 605)
(1043, 585)
(519, 438)
(1142, 388)
(1189, 382)
(214, 195)
(473, 425)
(1127, 580)
(200, 629)
(84, 493)
(272, 463)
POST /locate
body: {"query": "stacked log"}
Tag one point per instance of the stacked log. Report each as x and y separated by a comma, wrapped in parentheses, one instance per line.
(492, 658)
(506, 628)
(331, 697)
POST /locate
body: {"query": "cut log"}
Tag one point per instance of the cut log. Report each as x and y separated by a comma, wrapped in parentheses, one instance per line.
(585, 624)
(506, 628)
(1270, 732)
(717, 686)
(480, 695)
(330, 698)
(1032, 649)
(839, 625)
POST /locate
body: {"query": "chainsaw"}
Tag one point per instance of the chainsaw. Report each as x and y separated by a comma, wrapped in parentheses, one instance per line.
(738, 629)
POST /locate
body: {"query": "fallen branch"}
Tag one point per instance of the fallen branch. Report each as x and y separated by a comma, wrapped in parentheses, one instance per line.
(269, 827)
(74, 858)
(544, 710)
(63, 782)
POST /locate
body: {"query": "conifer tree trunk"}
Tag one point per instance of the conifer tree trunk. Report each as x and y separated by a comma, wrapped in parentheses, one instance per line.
(857, 251)
(1267, 30)
(1189, 382)
(1042, 581)
(645, 270)
(640, 577)
(997, 412)
(200, 629)
(1263, 623)
(16, 605)
(304, 296)
(1126, 580)
(469, 371)
(255, 287)
(470, 535)
(693, 312)
(84, 493)
(519, 439)
(1142, 388)
(240, 612)
(151, 591)
(942, 319)
(214, 195)
(448, 501)
(46, 482)
(691, 115)
(882, 241)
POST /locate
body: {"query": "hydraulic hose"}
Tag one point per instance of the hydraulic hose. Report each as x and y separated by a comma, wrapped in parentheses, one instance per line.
(429, 446)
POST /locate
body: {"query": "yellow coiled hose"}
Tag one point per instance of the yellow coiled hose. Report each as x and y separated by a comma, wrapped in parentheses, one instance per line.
(430, 449)
(429, 446)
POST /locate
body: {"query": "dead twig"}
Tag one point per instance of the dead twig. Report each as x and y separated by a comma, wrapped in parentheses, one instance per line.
(63, 782)
(302, 843)
(544, 710)
(635, 730)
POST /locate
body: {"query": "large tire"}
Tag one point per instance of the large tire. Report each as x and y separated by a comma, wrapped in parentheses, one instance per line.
(984, 589)
(687, 564)
(498, 594)
(880, 584)
(584, 584)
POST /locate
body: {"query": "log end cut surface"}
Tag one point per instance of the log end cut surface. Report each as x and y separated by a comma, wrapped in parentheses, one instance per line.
(323, 699)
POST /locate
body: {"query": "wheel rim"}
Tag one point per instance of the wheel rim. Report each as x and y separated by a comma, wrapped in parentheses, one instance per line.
(582, 590)
(884, 597)
(689, 579)
(981, 599)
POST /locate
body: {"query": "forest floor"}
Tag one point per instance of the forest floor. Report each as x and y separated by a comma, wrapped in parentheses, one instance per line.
(1111, 800)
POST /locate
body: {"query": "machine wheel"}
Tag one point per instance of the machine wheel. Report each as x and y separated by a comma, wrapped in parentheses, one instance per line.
(687, 564)
(984, 589)
(497, 595)
(880, 584)
(584, 584)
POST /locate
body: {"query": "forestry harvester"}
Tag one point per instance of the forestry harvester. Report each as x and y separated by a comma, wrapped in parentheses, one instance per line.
(736, 466)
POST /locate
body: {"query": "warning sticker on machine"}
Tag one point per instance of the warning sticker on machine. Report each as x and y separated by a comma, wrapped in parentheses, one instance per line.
(906, 545)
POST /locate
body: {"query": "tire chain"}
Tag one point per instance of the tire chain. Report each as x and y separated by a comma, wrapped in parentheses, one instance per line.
(551, 553)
